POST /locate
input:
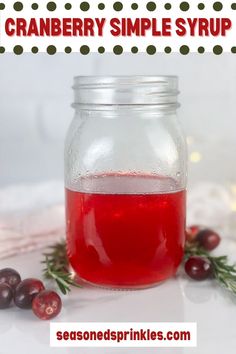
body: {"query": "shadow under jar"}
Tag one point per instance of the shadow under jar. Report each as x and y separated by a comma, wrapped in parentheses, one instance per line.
(125, 179)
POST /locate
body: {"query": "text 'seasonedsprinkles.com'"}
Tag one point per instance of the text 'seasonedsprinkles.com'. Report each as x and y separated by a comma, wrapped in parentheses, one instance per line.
(91, 334)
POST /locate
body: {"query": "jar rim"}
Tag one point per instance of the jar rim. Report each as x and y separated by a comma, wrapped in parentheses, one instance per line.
(126, 90)
(88, 80)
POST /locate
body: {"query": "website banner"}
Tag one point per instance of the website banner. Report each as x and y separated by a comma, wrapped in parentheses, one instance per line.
(123, 334)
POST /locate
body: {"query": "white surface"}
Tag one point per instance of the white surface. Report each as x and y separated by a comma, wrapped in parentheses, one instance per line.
(178, 299)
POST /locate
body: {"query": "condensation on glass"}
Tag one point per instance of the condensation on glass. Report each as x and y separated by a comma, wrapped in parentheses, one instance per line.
(125, 180)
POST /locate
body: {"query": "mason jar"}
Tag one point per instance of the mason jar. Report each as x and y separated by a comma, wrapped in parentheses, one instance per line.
(125, 180)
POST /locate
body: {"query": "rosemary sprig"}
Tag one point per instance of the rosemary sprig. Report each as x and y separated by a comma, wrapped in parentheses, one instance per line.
(57, 267)
(224, 273)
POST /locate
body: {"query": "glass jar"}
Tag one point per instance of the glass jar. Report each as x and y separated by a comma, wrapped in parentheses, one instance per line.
(125, 179)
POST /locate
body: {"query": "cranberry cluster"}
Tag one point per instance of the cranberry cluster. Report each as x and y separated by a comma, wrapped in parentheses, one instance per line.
(199, 267)
(28, 293)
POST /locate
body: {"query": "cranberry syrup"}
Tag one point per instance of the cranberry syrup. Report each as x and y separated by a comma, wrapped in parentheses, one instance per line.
(122, 239)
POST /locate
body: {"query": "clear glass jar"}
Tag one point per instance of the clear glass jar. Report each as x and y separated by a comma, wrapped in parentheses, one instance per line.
(125, 179)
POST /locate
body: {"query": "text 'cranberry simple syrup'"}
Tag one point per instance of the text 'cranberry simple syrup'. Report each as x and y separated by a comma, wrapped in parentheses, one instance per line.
(125, 181)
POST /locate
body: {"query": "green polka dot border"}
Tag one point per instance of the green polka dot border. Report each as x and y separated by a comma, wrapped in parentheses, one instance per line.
(134, 6)
(168, 6)
(151, 6)
(18, 49)
(18, 6)
(151, 50)
(51, 6)
(184, 6)
(68, 6)
(34, 50)
(84, 6)
(184, 50)
(84, 50)
(167, 50)
(118, 50)
(68, 50)
(119, 6)
(101, 50)
(201, 6)
(134, 50)
(217, 50)
(51, 50)
(101, 6)
(34, 6)
(201, 50)
(217, 6)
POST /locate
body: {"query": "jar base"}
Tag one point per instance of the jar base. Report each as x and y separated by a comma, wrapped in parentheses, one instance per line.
(121, 287)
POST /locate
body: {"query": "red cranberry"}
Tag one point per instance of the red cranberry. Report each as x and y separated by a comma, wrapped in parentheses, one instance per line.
(10, 276)
(46, 305)
(208, 239)
(198, 268)
(6, 295)
(192, 231)
(26, 291)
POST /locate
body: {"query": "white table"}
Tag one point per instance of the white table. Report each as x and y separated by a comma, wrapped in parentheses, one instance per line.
(178, 299)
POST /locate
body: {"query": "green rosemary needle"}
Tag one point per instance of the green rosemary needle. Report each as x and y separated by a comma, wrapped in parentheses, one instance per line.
(224, 273)
(57, 267)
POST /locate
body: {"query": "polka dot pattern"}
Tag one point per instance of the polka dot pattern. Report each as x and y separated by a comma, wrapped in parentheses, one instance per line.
(119, 6)
(201, 6)
(34, 50)
(151, 6)
(84, 6)
(101, 50)
(217, 49)
(167, 50)
(51, 6)
(18, 6)
(68, 6)
(34, 6)
(184, 49)
(18, 49)
(201, 50)
(84, 49)
(68, 50)
(151, 50)
(101, 6)
(134, 50)
(118, 50)
(51, 50)
(167, 6)
(217, 6)
(134, 6)
(184, 6)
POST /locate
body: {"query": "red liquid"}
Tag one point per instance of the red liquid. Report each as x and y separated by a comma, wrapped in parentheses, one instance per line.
(121, 239)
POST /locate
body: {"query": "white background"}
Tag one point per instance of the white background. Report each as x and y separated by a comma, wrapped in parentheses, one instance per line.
(36, 94)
